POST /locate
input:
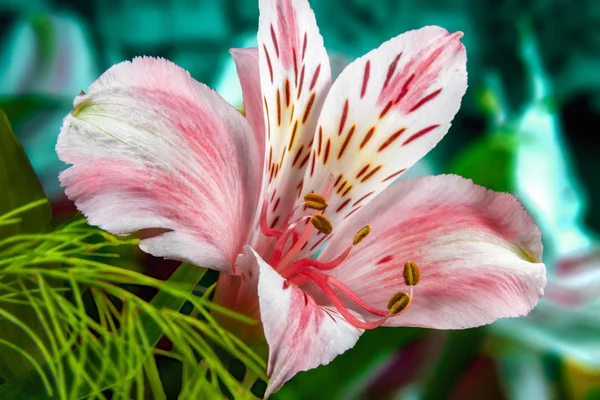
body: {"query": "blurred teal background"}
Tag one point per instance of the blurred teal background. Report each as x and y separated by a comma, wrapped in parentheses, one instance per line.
(529, 124)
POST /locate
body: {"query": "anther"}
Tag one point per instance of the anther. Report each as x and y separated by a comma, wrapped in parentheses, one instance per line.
(361, 234)
(321, 223)
(399, 302)
(411, 274)
(315, 201)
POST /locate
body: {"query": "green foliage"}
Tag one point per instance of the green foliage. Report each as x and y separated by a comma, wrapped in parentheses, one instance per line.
(98, 333)
(20, 187)
(489, 162)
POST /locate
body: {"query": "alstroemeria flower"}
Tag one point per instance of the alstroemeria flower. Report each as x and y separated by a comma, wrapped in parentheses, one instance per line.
(152, 148)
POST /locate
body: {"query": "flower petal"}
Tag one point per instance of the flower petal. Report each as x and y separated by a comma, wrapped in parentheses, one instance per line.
(153, 148)
(295, 77)
(478, 252)
(246, 63)
(301, 335)
(385, 111)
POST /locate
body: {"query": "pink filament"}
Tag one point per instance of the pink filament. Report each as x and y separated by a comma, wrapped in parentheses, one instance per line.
(279, 246)
(264, 226)
(291, 270)
(323, 282)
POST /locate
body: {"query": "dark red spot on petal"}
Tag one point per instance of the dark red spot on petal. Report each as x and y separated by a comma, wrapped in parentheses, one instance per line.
(327, 148)
(300, 186)
(269, 63)
(274, 38)
(318, 243)
(278, 108)
(419, 134)
(362, 171)
(315, 77)
(286, 284)
(320, 139)
(304, 43)
(270, 155)
(391, 139)
(295, 60)
(298, 154)
(301, 83)
(367, 137)
(362, 198)
(294, 130)
(343, 205)
(287, 92)
(276, 204)
(366, 75)
(352, 212)
(339, 178)
(347, 191)
(346, 141)
(370, 174)
(268, 119)
(386, 109)
(385, 259)
(392, 176)
(312, 166)
(391, 70)
(274, 222)
(343, 118)
(282, 157)
(308, 108)
(404, 90)
(424, 100)
(304, 160)
(342, 187)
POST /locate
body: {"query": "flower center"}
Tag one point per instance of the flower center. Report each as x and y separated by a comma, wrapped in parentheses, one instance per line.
(294, 237)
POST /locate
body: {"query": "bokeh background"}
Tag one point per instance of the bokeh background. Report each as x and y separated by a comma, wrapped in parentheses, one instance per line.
(529, 124)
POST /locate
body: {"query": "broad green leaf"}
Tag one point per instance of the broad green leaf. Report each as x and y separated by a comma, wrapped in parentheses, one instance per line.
(19, 186)
(23, 209)
(489, 162)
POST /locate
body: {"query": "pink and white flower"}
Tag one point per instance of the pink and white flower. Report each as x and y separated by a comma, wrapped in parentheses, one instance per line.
(150, 147)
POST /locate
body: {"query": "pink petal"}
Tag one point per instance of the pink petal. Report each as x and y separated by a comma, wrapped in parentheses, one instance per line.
(295, 78)
(478, 252)
(153, 148)
(246, 62)
(301, 335)
(385, 111)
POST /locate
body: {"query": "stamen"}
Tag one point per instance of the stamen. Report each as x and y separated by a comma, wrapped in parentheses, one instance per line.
(399, 302)
(361, 234)
(411, 274)
(297, 246)
(280, 244)
(292, 269)
(321, 223)
(315, 201)
(322, 282)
